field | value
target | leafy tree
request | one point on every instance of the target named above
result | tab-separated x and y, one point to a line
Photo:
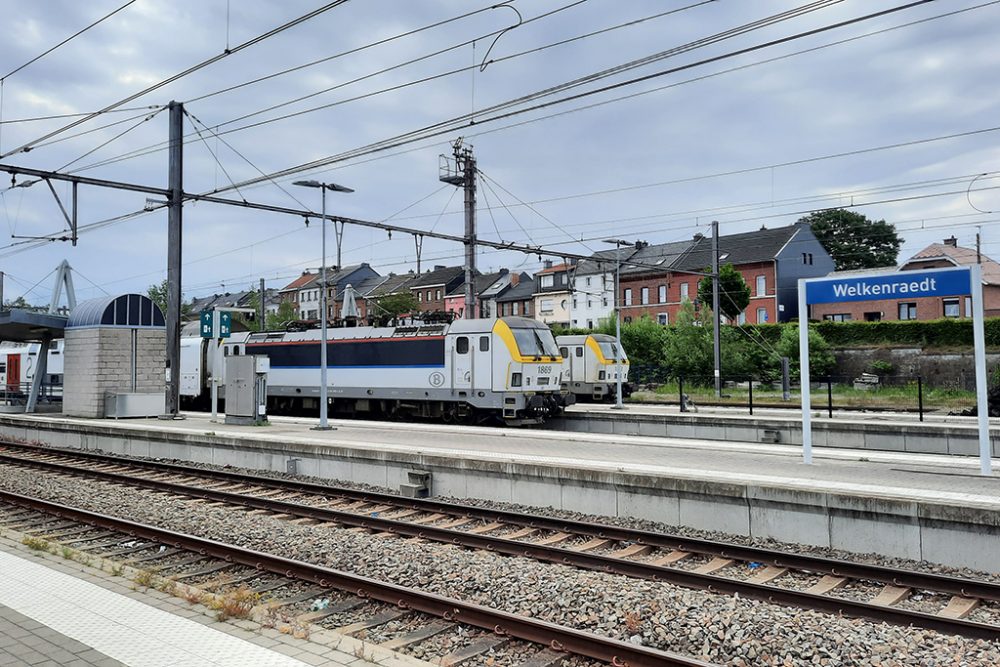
688	351
854	241
390	306
20	303
734	293
644	341
158	294
286	313
821	359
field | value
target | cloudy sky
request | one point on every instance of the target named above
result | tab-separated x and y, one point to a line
864	114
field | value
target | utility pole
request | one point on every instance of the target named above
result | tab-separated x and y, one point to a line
979	254
175	202
464	174
715	308
263	312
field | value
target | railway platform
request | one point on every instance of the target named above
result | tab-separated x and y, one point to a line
871	431
58	613
911	505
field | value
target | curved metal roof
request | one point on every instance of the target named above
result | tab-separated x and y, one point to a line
126	310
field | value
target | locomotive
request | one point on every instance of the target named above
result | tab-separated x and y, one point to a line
506	371
591	365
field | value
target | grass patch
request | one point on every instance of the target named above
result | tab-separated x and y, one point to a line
36	543
236	603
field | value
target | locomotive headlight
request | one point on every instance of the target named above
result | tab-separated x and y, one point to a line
515	379
600	375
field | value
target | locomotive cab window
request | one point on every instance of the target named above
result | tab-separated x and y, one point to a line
564	352
484	343
462	345
579	351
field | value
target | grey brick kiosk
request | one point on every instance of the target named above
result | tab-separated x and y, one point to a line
115	346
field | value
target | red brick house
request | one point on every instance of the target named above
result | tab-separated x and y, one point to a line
947	254
432	287
771	262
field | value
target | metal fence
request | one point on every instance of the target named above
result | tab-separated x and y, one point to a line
17	394
868	392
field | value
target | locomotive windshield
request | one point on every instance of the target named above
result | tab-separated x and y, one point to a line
610	351
535	342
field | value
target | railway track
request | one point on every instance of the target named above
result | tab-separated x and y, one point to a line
968	607
228	568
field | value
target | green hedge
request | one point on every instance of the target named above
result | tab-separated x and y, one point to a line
932	333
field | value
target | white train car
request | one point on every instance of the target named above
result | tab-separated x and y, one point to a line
470	371
18	362
591	364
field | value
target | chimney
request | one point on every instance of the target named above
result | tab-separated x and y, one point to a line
547	264
953	242
438	267
504	272
699	236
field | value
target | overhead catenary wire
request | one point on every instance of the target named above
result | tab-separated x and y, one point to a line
194	68
456	124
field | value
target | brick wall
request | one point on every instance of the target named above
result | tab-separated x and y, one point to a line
928	308
673	283
99	360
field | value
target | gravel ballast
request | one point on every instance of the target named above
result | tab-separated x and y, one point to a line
723	629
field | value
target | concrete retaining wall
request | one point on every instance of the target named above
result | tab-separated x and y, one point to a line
926	438
955	536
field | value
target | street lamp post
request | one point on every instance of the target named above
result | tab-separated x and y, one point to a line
619	357
323	423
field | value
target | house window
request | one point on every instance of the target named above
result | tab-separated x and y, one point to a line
604	301
662	294
590	303
429	293
838	317
761	315
968	306
644	295
420	297
907	311
761	285
662	319
684	291
546	281
575	303
545	306
628	319
590	324
628	296
873	316
587	281
437	295
562	278
741	318
951	308
513	307
807	258
527	309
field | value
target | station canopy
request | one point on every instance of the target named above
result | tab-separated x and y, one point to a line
133	311
27	326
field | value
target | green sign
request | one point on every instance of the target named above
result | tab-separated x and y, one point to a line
216	324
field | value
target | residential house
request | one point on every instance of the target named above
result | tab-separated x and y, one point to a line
290	292
486	287
593	286
947	254
431	287
771	262
649	287
518	299
552	294
310	294
391	284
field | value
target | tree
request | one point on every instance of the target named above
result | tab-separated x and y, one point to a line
391	306
688	350
286	313
821	359
854	241
734	293
158	294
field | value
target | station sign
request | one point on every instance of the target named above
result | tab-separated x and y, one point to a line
216	324
903	284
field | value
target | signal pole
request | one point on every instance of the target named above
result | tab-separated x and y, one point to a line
464	174
175	201
717	352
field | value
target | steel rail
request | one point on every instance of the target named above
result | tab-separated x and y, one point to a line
551	554
502	623
911	579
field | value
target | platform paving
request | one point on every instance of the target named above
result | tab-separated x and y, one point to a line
61	613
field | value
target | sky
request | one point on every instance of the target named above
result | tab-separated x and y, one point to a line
896	116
